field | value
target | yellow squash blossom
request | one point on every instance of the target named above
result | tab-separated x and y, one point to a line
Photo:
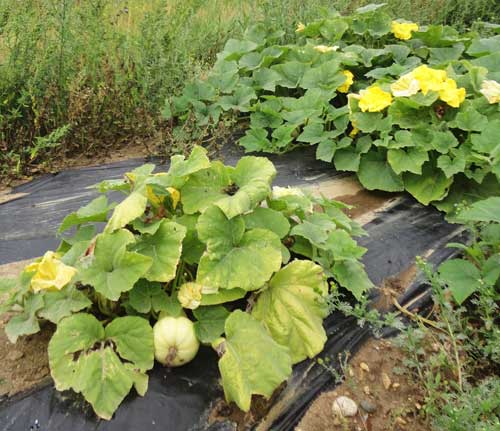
429	79
300	28
491	90
325	48
450	94
190	294
353	132
175	195
405	86
50	273
349	79
374	99
403	30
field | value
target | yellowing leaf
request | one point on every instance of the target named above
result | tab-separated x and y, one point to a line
293	307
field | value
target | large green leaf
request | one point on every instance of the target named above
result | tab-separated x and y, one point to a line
147	296
234	190
487	210
95	211
129	209
192	247
315	228
267	218
25	323
205	187
219	233
210	322
462	277
223	296
407	161
432	185
327	76
252	363
63	303
165	248
293	307
133	338
342	246
376	174
247	265
113	269
82	358
351	275
253	177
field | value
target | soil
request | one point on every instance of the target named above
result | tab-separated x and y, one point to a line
24	364
395	398
132	150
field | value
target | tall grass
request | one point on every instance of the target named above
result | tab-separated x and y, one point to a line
97	72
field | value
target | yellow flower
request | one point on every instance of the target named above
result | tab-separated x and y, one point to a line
190	294
405	86
175	195
325	48
374	99
354	132
349	79
403	30
300	28
429	79
450	94
50	273
491	90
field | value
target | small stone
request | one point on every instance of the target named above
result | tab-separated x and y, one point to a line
366	390
344	406
14	355
351	372
368	406
364	366
401	421
418	406
396	385
386	381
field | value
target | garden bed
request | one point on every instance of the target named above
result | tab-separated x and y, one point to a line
399	230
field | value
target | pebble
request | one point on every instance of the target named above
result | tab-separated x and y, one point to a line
368	406
401	421
386	381
14	355
395	385
366	390
364	366
344	406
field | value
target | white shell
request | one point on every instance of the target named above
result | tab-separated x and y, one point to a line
175	341
344	406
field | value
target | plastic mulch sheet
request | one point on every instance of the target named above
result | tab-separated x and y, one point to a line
183	398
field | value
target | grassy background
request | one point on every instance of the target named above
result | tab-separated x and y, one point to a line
80	76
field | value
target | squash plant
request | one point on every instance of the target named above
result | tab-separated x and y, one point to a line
212	252
405	107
